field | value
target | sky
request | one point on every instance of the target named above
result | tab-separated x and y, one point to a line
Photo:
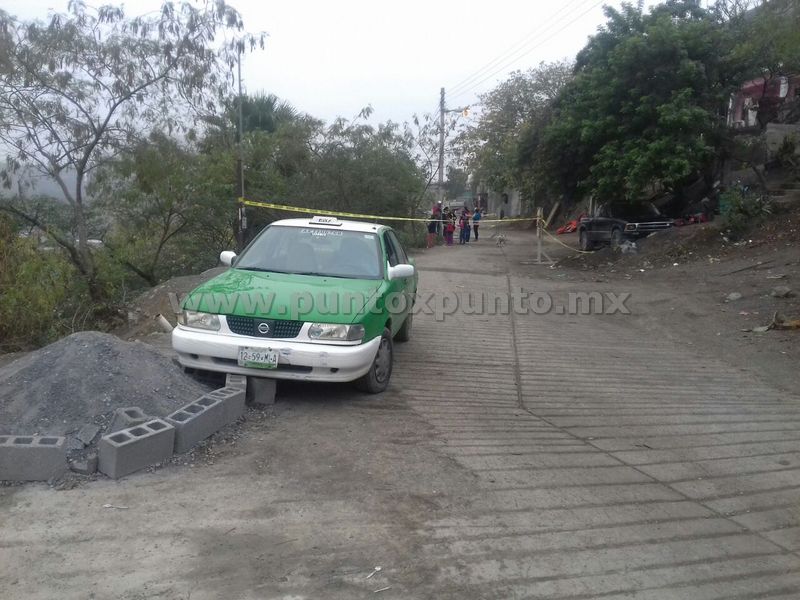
333	58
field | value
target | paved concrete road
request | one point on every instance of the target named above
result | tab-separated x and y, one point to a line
515	456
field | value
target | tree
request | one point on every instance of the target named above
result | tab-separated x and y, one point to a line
159	200
83	88
456	182
360	168
646	108
37	299
491	147
766	44
260	112
265	112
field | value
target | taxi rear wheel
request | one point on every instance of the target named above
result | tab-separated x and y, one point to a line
377	378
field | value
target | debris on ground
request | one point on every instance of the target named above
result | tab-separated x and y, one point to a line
778	322
733	297
781	322
782	291
145	309
570	226
74	386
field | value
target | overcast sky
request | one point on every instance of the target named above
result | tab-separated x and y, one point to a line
331	58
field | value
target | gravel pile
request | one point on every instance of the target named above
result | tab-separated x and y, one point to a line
80	380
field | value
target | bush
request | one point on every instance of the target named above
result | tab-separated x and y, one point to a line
786	154
41	298
412	235
744	210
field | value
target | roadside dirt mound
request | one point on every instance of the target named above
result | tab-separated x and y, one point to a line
144	308
82	378
702	243
663	249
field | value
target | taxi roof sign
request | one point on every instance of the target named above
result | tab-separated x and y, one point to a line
326	221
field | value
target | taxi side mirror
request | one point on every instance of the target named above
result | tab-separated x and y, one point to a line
401	272
227	257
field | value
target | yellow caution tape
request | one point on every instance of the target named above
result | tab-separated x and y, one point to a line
555	239
335	213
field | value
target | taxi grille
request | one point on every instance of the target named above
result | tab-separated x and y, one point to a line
276	328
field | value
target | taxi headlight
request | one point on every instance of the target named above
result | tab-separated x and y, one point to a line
199	320
334	332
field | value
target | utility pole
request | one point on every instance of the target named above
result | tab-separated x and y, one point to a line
440	190
241	217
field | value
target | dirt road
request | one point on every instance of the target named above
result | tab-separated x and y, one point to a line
515	456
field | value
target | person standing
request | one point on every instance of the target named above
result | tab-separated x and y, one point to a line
463	223
476	221
433	227
449	228
437	216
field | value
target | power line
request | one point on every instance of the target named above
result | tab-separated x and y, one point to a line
514	48
539	45
572	19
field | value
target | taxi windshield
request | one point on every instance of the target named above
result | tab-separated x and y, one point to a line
320	251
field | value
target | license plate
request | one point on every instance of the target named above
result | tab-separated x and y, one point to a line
258	358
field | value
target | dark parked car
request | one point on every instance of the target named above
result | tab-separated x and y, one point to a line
614	223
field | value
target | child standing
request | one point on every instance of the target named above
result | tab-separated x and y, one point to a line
449	228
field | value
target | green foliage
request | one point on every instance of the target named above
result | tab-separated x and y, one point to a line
348	166
456	182
169	207
40	296
743	210
85	86
411	235
508	113
765	42
642	111
786	154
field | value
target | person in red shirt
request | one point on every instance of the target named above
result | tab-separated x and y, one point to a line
449	228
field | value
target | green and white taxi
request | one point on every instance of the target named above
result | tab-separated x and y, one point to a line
316	299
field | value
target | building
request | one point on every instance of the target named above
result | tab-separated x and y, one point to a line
761	101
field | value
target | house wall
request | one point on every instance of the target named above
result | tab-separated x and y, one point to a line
512	208
743	108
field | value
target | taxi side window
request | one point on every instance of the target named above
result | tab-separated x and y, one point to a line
398	248
391	251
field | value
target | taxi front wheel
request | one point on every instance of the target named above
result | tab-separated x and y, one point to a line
377	378
404	333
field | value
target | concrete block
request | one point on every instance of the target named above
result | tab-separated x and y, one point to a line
86	466
127	417
237	381
31	458
233	398
261	390
205	416
135	448
87	433
196	421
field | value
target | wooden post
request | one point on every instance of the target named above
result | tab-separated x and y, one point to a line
539	234
541	257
